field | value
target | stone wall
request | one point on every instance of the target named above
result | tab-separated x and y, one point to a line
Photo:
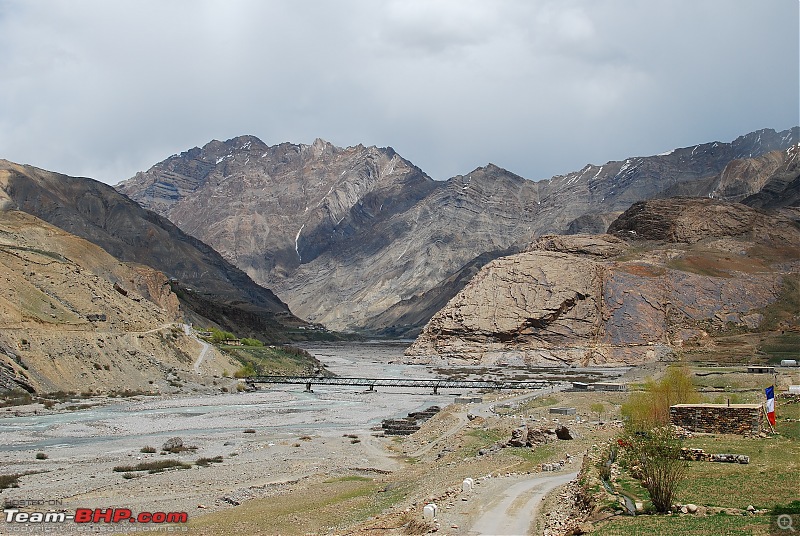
718	418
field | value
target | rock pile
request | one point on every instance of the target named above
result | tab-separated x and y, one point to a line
699	455
410	424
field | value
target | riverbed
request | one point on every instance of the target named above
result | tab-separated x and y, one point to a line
268	440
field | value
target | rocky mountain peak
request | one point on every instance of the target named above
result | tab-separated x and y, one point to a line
344	234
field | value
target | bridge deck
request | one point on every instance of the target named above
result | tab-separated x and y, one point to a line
431	383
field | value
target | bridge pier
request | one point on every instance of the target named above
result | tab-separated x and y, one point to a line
372	387
308	388
436	389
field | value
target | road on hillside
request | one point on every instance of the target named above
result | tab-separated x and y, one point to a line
187	329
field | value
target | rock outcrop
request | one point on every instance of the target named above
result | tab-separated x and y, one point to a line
594	300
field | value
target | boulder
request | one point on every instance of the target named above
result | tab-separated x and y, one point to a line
518	438
174	443
562	432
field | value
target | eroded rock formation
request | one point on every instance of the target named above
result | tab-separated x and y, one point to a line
593	300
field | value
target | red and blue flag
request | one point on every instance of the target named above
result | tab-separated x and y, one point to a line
771	404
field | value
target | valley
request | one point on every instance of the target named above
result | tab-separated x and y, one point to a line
126	341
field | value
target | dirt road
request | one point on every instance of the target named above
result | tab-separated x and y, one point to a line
510	505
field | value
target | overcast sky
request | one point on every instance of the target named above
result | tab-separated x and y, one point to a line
106	88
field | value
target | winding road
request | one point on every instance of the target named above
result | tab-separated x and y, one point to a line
190	333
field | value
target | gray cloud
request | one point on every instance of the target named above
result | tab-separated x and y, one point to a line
105	89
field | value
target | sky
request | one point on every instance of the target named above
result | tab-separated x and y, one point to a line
106	88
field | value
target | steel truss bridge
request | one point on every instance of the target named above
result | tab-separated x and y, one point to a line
372	383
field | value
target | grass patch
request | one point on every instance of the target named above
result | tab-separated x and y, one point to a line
148	450
478	439
328	508
685	525
349	478
152	467
274	360
764	482
698	264
780	346
532	458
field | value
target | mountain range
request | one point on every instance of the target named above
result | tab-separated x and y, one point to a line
486	266
360	239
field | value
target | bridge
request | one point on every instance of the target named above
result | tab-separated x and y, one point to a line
372	383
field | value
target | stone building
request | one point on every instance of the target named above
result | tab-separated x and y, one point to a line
718	418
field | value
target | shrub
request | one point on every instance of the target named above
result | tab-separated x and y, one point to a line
148	450
206	461
152	467
246	370
41	456
9	481
655	456
252	342
650	408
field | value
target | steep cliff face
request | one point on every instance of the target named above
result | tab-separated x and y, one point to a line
351	237
686	266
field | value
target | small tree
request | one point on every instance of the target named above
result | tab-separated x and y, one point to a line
650	408
598	408
655	456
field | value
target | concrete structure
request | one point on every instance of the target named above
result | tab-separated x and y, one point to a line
794	389
429	511
760	369
718	418
468	400
563	411
788	362
581	386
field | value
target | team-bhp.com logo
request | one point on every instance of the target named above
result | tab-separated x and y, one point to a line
94	515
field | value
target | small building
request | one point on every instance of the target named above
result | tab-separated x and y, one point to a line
580	386
562	411
794	389
760	369
718	418
232	342
606	386
788	362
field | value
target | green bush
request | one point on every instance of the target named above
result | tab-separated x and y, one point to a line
252	342
650	408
